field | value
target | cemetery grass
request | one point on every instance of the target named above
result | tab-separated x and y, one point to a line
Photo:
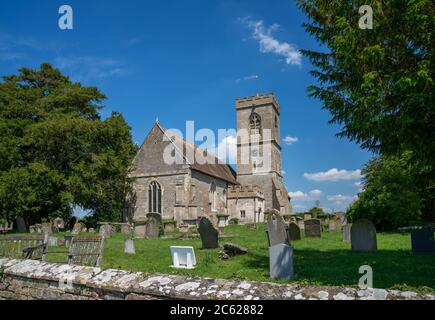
317	261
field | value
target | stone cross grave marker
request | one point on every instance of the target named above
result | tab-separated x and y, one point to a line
294	232
153	226
422	241
313	229
281	262
276	230
209	234
363	236
346	232
183	257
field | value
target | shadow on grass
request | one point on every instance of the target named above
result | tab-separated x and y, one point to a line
391	268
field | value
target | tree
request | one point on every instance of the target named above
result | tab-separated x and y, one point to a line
55	150
316	212
378	84
390	198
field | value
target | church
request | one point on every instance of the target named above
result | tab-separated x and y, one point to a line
188	189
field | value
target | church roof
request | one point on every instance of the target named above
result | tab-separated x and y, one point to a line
200	160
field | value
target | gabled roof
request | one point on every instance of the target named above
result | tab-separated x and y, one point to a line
200	160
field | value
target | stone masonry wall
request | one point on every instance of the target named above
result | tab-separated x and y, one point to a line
29	280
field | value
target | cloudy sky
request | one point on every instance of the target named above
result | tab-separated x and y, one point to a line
189	60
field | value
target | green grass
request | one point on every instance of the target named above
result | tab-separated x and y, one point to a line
324	261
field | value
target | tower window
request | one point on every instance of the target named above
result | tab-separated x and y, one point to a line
255	124
276	122
154	197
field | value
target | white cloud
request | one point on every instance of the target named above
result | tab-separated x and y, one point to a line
85	68
341	198
315	194
283	172
300	207
302	196
289	140
247	78
358	184
268	44
298	195
334	175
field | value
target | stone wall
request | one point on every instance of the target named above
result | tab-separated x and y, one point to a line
29	279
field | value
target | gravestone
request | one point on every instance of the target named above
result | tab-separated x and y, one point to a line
294	232
77	228
46	228
301	224
276	230
363	236
208	233
334	224
153	225
281	262
106	231
91	230
32	229
183	257
422	240
21	225
129	246
139	227
68	240
346	232
125	228
307	216
59	224
52	241
313	229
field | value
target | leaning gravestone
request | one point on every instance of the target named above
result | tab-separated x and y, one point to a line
313	229
294	232
209	234
346	232
153	226
129	246
363	236
281	262
276	230
423	241
77	228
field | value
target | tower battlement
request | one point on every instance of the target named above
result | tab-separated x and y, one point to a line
258	100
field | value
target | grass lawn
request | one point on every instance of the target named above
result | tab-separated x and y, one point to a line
324	261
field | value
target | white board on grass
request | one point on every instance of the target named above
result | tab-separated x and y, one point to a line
183	257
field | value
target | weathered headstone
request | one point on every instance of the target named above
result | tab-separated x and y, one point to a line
59	224
46	228
208	233
313	228
294	232
38	228
363	236
423	241
129	246
77	227
281	262
334	224
125	228
276	230
153	225
21	225
183	257
346	232
139	227
53	241
106	231
307	216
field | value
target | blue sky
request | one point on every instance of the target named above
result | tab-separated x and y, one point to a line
189	60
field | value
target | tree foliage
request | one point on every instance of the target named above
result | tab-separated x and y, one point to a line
391	198
378	83
55	150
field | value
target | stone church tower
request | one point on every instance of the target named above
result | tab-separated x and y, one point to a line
259	160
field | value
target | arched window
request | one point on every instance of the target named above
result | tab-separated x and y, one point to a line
213	196
154	197
255	124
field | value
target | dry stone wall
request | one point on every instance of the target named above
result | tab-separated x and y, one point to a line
29	279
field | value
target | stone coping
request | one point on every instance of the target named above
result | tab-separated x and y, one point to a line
160	286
